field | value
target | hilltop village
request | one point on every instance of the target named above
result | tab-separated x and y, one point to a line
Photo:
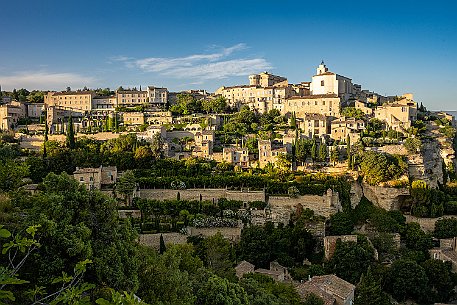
319	192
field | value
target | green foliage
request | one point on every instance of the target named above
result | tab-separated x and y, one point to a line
341	223
441	280
407	279
446	228
352	112
216	105
369	291
11	174
79	225
263	290
351	259
219	291
415	238
70	140
379	167
186	104
412	145
288	245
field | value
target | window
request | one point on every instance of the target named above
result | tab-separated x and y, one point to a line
322	83
81	179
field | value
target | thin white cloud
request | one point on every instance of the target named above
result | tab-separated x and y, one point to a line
200	67
43	80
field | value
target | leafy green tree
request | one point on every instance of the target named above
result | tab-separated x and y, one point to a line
380	167
352	112
369	291
126	184
407	279
351	259
412	145
78	225
416	239
335	154
219	291
441	280
219	255
341	224
11	174
446	228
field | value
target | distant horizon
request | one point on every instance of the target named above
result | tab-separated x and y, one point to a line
391	48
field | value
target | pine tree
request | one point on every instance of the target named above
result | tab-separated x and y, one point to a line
70	134
162	247
369	291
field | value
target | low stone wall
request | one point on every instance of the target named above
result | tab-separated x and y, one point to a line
427	224
153	240
129	213
203	194
387	198
232	234
325	205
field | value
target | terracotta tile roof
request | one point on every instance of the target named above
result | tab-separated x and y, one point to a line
304	289
333	285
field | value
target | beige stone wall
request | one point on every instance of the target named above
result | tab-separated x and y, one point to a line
325	205
387	198
326	105
153	240
427	224
232	234
206	194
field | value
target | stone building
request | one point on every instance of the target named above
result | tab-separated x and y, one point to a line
325	104
332	289
364	108
343	127
10	114
398	115
133	118
76	101
96	178
326	82
276	272
157	97
131	98
330	243
268	153
104	103
264	93
447	252
236	156
314	124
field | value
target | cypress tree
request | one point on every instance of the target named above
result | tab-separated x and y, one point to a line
46	130
70	134
348	151
162	247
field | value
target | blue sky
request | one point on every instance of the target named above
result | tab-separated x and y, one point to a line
391	47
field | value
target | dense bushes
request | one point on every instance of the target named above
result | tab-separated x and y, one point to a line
379	167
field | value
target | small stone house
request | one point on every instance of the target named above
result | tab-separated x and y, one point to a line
332	289
96	178
276	272
447	251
